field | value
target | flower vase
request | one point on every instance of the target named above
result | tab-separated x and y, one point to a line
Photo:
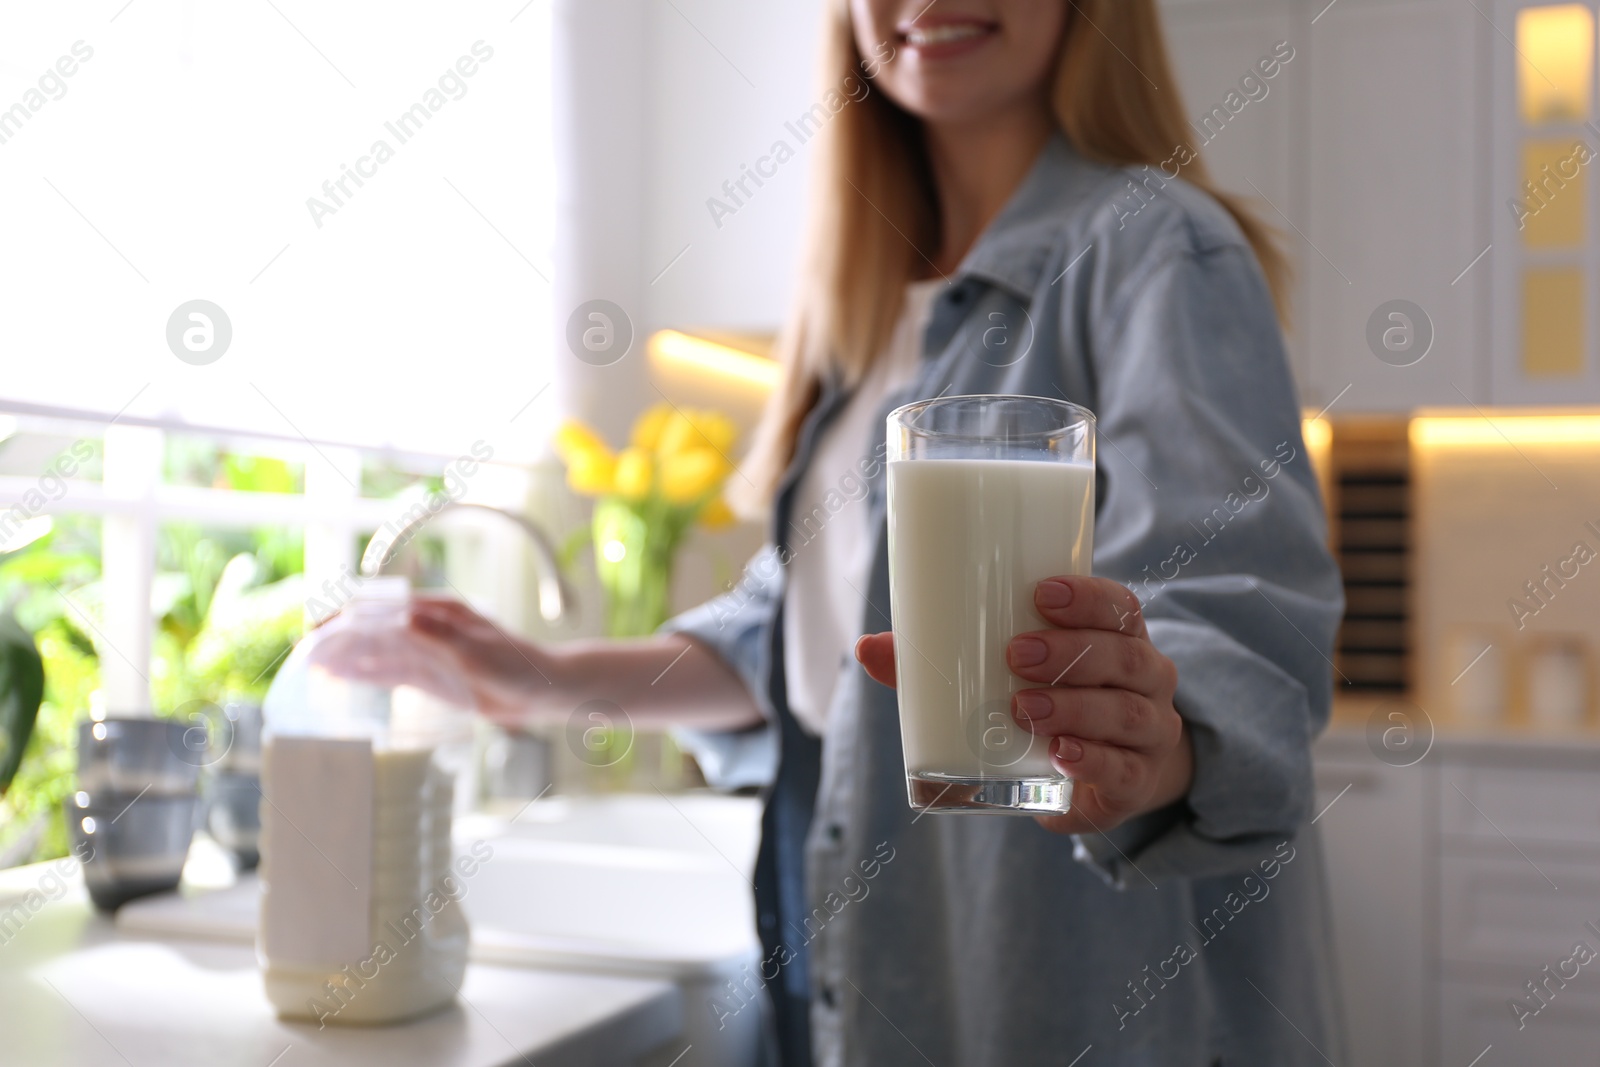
635	567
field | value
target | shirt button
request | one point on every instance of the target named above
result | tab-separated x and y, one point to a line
827	995
835	833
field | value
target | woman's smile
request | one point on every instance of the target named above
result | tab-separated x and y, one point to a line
945	37
963	61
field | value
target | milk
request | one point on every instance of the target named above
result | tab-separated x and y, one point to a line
395	941
968	541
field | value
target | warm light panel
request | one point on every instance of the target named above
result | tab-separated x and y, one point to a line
1555	63
1491	430
709	357
1318	433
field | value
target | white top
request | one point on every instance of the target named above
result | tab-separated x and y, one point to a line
77	993
828	534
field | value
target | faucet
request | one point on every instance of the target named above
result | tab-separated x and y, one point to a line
556	598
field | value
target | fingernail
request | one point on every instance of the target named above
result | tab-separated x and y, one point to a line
1032	706
1069	750
1054	594
1028	652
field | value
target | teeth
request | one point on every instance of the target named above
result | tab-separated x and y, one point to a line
917	37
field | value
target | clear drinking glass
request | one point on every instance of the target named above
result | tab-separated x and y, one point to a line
988	495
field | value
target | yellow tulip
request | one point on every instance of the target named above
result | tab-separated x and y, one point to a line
632	479
718	431
717	514
677	434
688	429
574	439
591	473
690	475
647	428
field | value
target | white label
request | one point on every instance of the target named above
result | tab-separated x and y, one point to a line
316	852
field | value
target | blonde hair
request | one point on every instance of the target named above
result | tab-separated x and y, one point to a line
874	216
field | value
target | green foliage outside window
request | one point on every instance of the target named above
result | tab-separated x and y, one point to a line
228	606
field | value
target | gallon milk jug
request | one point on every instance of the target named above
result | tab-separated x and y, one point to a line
367	751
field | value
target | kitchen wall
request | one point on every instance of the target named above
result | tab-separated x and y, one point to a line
658	105
709	117
1489	516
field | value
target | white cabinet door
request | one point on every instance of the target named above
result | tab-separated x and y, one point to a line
1395	211
1544	799
1378	845
1477	1027
1512	912
1215	45
1545	341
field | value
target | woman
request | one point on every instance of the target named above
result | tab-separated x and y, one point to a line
1016	209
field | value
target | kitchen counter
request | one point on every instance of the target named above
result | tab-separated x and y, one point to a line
1359	723
74	991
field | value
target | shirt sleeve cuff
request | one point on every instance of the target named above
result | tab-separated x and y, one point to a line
734	627
1161	845
1251	724
748	758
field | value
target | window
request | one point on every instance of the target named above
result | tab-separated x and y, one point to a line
158	570
364	192
274	267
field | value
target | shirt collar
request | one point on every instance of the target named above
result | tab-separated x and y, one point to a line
1016	247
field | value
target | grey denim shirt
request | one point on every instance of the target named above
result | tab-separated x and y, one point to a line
1188	936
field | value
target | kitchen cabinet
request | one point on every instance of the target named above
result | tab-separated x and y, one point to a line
1455	882
1368	159
1473	1016
1519	877
1375	837
1541	114
1395	209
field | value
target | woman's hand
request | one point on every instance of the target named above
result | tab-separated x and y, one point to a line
1104	698
509	675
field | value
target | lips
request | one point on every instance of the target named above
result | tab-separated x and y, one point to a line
935	38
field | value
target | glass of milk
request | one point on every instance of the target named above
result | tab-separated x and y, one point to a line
366	757
987	496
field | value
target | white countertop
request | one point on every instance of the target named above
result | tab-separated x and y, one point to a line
74	992
1353	730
